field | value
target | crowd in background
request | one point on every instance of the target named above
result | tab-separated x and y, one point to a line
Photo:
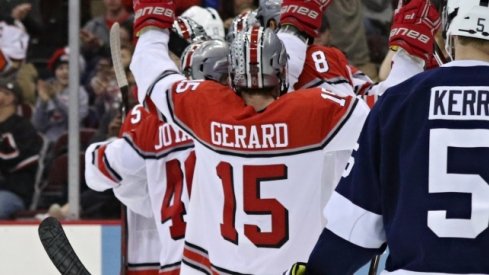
38	85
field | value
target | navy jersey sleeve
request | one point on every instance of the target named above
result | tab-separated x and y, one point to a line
354	211
335	255
354	231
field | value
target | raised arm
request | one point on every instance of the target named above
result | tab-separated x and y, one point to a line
151	58
299	25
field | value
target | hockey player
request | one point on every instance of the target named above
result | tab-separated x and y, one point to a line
157	154
143	245
143	241
260	178
418	182
329	68
19	152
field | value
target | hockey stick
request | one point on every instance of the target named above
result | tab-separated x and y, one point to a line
59	249
374	265
120	74
438	52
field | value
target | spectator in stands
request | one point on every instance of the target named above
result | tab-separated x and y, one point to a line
95	34
377	21
324	33
51	110
13	45
103	87
348	34
110	123
13	48
19	148
235	8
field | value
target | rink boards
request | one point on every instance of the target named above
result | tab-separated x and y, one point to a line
96	243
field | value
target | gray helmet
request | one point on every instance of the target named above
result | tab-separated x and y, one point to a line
268	10
241	23
206	60
189	30
258	60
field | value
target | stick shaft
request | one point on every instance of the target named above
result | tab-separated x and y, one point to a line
120	73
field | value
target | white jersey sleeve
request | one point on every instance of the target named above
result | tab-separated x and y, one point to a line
150	60
404	66
296	60
105	168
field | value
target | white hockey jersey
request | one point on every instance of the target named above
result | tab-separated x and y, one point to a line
261	178
143	243
155	160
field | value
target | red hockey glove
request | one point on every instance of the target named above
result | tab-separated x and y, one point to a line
153	13
414	27
305	15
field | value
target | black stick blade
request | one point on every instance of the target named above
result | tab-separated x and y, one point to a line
59	249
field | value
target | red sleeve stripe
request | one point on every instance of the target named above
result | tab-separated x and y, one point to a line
198	258
363	89
103	165
170	269
143	269
370	100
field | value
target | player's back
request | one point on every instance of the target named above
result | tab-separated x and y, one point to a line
434	142
169	163
261	178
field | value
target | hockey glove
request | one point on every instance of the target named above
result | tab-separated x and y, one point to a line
298	268
414	27
305	15
153	13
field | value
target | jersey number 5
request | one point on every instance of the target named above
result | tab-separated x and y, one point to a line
457	164
253	204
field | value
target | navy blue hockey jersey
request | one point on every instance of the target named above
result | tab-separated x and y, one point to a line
419	180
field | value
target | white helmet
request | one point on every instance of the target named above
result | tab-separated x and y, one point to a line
189	30
206	60
209	19
258	60
469	18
